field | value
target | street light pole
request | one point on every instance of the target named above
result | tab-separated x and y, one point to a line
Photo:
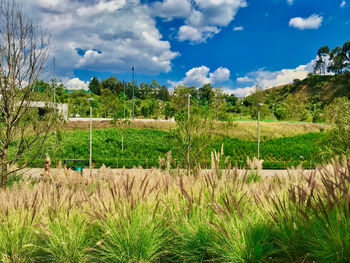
124	98
90	160
188	132
133	92
54	90
259	104
188	105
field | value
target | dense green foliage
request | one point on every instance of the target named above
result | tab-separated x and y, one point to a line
145	146
302	100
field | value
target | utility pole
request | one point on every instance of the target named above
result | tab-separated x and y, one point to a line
124	98
54	90
259	104
188	105
188	132
90	160
133	92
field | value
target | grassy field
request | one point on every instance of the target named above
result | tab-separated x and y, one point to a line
143	147
244	130
154	216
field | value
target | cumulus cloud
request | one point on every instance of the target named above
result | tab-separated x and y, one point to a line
200	76
77	84
343	3
194	34
290	2
238	28
312	22
220	75
244	79
243	92
124	31
202	19
170	9
268	79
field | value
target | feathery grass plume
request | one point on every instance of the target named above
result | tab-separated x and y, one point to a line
168	162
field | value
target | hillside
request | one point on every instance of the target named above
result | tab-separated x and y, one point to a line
317	89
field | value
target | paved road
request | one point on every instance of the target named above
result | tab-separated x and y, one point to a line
36	172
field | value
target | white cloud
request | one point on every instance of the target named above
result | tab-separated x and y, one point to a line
200	76
238	28
243	92
123	31
170	9
202	18
244	79
77	84
269	79
196	35
343	3
220	75
312	22
290	2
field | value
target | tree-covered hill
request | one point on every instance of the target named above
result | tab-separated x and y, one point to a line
317	89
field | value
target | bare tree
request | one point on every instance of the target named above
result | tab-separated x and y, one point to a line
24	50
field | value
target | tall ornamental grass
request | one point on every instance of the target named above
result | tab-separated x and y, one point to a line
164	216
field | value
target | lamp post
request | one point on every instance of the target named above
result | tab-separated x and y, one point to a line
188	131
259	105
188	105
54	90
124	98
90	160
133	92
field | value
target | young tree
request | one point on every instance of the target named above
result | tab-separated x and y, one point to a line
218	103
192	136
23	53
121	123
337	141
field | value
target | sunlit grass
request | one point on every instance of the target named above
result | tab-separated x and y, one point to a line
154	216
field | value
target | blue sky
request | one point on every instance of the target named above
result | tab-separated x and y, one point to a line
234	44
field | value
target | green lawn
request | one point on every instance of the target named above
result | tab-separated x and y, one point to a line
144	146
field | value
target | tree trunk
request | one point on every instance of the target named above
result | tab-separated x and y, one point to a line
122	141
188	151
3	169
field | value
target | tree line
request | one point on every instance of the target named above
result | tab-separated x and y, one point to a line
335	61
